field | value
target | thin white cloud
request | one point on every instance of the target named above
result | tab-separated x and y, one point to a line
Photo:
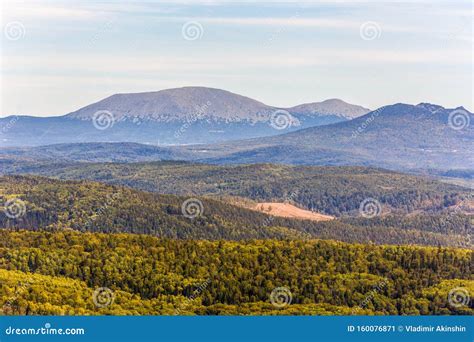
294	20
39	10
222	61
299	21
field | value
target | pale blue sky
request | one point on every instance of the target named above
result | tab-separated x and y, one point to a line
71	53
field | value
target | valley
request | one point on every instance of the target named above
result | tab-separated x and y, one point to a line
52	205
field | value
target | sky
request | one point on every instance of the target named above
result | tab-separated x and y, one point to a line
58	56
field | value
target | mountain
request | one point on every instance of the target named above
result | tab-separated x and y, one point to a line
212	105
173	116
400	136
423	138
330	107
178	105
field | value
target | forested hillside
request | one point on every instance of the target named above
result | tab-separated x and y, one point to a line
56	273
52	205
331	190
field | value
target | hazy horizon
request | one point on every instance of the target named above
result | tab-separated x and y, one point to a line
282	107
59	56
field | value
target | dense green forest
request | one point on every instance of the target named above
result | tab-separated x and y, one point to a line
68	241
57	273
331	190
95	207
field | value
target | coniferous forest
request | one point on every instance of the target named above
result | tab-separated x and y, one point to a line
82	247
56	273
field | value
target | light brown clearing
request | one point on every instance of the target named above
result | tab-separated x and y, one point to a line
290	211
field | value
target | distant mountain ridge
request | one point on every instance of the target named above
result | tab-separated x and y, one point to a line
188	115
399	136
425	138
209	103
180	104
330	107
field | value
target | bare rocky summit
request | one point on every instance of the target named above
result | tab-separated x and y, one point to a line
201	103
